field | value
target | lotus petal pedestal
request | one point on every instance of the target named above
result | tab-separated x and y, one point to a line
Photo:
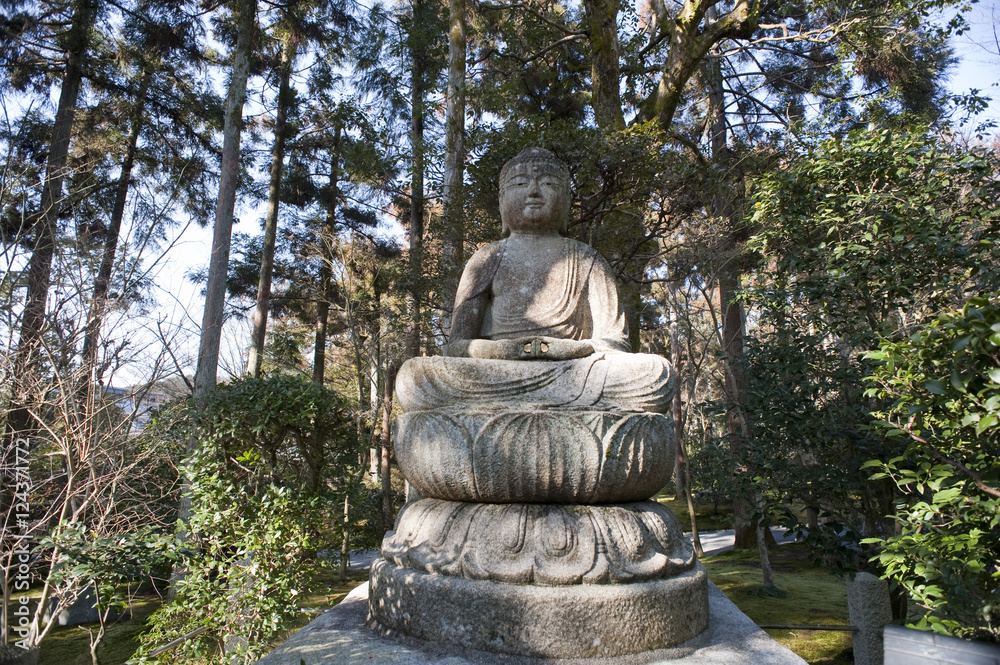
534	536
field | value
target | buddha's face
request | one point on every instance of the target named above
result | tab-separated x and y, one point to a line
534	199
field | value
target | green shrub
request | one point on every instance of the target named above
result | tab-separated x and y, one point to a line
273	461
942	385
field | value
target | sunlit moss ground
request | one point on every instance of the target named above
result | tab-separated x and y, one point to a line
328	592
70	645
810	595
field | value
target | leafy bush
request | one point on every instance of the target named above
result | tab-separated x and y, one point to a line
712	471
942	385
860	238
273	461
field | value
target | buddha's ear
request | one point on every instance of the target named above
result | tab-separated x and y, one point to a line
504	229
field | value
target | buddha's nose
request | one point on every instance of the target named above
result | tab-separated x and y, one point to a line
533	189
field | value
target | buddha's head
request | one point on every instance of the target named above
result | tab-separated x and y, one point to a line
534	193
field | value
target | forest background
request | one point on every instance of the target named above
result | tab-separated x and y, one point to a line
801	215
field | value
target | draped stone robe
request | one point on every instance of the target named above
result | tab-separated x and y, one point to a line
539	287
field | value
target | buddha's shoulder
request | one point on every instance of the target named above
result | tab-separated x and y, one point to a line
487	254
484	261
582	248
494	251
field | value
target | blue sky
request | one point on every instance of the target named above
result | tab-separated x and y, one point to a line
979	50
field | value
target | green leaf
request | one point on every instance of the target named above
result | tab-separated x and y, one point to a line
994	375
936	387
958	382
948	495
961	342
986	423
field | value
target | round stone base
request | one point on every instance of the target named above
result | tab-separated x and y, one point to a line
583	621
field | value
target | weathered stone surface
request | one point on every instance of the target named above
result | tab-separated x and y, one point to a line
530	438
538	543
82	610
14	655
535	455
537	319
566	622
908	646
342	635
604	380
869	608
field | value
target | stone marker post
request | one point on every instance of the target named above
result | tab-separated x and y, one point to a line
870	610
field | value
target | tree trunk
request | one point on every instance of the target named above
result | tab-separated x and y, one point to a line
690	42
364	396
95	640
682	469
680	455
23	373
375	378
413	299
736	392
453	237
677	407
602	20
215	290
4	600
273	202
692	514
387	508
102	282
326	267
765	560
345	543
731	309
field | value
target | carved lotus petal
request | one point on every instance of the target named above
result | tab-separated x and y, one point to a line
434	451
545	544
638	457
521	456
431	537
541	456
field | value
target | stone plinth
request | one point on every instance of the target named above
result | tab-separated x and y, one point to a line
346	635
579	621
533	537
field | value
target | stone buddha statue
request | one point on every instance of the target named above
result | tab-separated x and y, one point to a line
536	317
534	444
